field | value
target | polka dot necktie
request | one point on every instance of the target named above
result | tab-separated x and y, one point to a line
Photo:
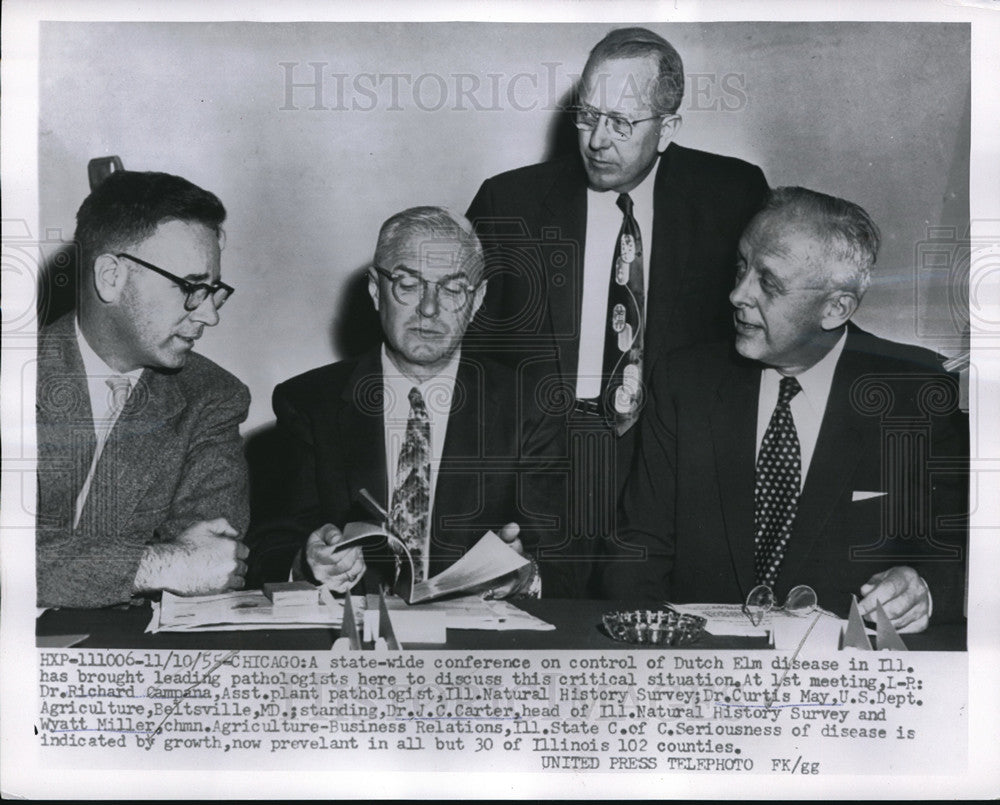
622	396
412	490
776	491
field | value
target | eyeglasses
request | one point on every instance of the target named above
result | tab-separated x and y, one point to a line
196	292
586	118
408	288
800	601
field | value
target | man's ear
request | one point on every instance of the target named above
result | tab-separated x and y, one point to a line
110	276
838	309
669	127
373	289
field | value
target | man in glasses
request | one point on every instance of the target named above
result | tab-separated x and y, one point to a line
815	454
610	257
442	443
142	484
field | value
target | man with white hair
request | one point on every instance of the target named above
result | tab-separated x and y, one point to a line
814	454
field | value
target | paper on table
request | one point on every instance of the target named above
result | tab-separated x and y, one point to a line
725	619
472	612
821	631
786	630
240	611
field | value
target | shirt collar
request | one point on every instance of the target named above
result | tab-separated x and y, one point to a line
442	382
818	378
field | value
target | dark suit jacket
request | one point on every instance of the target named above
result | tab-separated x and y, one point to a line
892	425
173	458
495	467
533	225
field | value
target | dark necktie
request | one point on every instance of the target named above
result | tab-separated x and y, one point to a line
412	488
622	396
776	492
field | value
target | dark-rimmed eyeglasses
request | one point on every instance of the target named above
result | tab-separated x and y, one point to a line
586	118
408	288
800	601
195	292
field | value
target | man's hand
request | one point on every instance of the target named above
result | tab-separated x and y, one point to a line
904	598
510	534
519	581
206	558
339	570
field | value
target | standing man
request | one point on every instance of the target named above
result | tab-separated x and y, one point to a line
606	260
142	484
442	443
817	454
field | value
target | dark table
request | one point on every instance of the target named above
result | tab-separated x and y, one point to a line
577	625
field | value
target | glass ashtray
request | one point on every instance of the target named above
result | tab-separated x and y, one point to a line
647	627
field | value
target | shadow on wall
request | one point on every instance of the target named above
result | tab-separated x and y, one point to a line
561	139
58	283
355	328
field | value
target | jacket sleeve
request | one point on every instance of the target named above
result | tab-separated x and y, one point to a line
95	564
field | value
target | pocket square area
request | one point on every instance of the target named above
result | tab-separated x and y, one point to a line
859	495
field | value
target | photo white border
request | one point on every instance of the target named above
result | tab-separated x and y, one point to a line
20	774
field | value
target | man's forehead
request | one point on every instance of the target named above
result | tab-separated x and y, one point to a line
792	243
184	248
427	255
620	84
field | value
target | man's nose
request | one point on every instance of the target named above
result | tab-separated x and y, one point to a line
206	313
429	300
741	295
599	137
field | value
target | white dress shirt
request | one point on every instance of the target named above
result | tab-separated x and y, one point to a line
604	220
102	407
808	406
437	393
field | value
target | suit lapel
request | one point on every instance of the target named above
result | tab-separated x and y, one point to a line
672	223
838	450
734	433
458	488
566	207
362	431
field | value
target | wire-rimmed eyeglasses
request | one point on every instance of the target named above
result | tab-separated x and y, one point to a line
586	118
800	601
195	292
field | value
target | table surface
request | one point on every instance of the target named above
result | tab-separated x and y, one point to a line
577	622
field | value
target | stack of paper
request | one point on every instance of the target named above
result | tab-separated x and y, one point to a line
241	611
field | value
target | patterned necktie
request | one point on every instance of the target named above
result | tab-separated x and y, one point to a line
412	491
622	395
776	492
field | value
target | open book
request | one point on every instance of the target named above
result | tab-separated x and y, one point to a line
487	560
